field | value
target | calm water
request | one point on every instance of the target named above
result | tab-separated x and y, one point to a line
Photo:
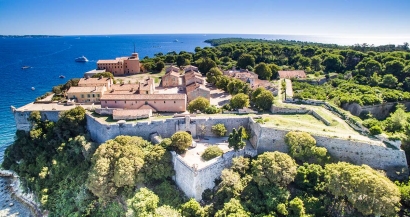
51	57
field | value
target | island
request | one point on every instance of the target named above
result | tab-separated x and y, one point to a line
243	128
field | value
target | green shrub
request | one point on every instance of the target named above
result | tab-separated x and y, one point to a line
375	130
212	110
219	130
211	153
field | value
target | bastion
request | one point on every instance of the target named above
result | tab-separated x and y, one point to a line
193	178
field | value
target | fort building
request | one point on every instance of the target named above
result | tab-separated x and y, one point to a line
121	65
86	94
156	102
95	82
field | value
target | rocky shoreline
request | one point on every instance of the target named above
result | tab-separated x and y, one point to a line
10	184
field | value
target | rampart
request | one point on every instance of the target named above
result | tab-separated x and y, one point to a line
193	180
379	111
393	161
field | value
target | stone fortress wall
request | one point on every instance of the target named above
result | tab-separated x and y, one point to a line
194	181
379	111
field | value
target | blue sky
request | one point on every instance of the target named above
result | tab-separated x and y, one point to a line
367	18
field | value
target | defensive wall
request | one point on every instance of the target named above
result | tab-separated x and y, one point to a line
391	160
193	181
379	111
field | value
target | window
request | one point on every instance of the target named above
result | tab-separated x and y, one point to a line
146	92
98	95
174	102
115	101
82	95
164	101
125	102
88	95
93	95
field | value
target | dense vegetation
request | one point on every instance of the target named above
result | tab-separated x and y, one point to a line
130	176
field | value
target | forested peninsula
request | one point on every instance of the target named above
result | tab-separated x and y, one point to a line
129	176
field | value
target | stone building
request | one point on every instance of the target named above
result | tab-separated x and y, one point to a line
95	82
86	94
191	77
155	102
195	90
121	65
171	79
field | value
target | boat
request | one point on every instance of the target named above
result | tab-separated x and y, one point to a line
32	88
25	67
176	40
81	59
61	76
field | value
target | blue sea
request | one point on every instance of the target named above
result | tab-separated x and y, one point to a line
49	58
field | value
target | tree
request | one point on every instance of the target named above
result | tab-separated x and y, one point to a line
316	62
304	62
245	60
71	123
262	98
206	64
240	100
240	165
192	209
369	191
302	147
396	122
389	81
274	168
395	67
159	66
264	72
235	139
332	63
219	130
232	208
104	75
157	164
296	208
143	203
200	103
274	68
166	211
181	141
311	177
211	153
116	164
213	75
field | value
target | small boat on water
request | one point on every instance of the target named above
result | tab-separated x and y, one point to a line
61	76
81	59
25	67
176	40
32	88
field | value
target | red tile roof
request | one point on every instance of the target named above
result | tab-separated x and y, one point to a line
292	74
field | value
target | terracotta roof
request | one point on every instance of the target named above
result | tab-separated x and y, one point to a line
124	88
111	97
108	61
85	90
191	75
172	73
292	74
190	68
195	86
172	68
91	81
